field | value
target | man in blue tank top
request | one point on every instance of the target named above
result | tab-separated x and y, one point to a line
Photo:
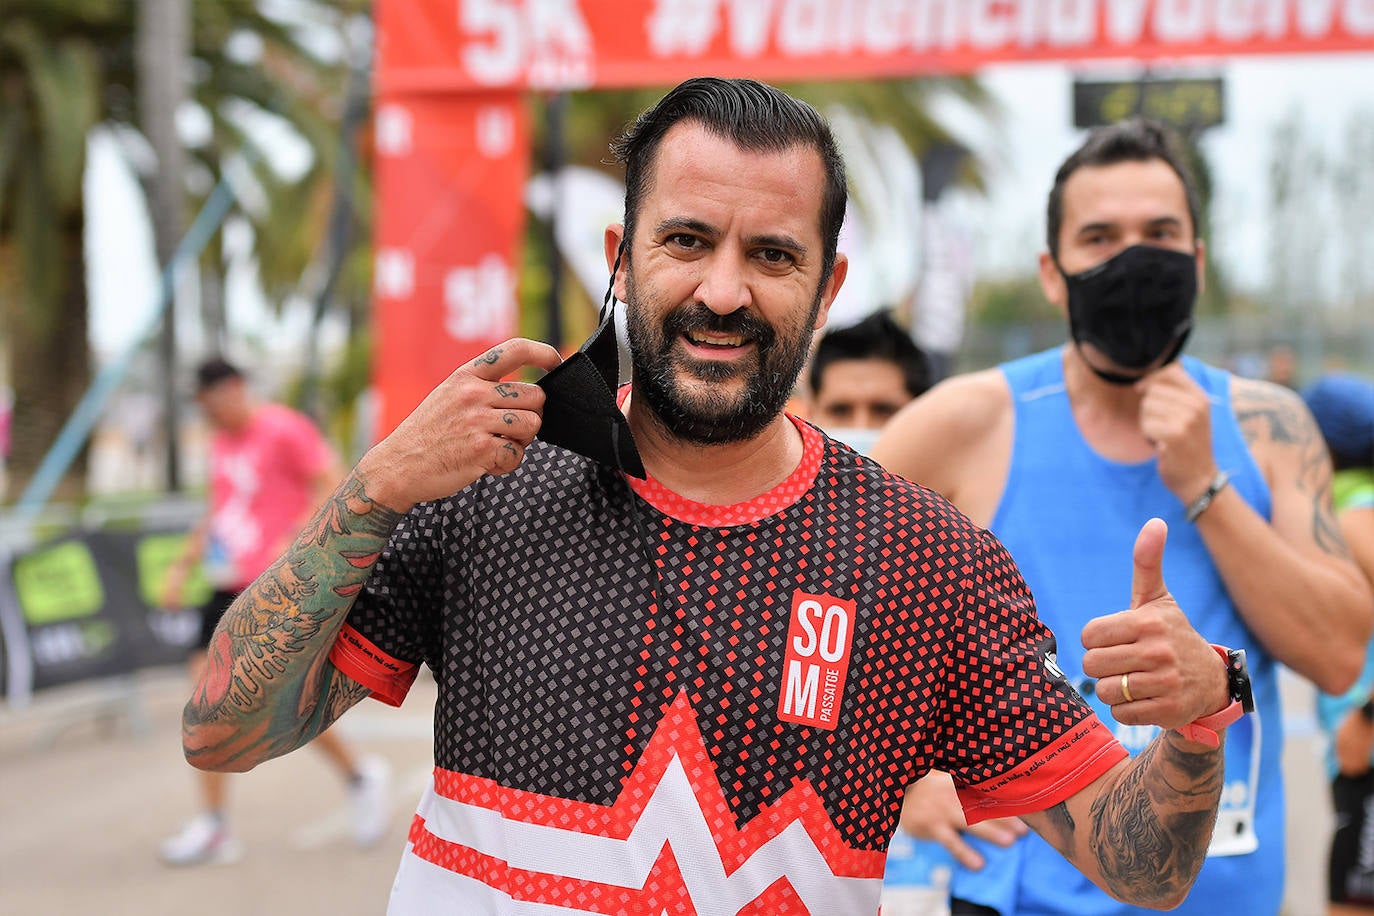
1065	453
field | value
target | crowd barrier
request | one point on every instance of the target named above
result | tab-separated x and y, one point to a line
86	606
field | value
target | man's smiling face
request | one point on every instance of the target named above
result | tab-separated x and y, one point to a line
723	282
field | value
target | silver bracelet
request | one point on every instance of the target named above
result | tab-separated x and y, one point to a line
1200	504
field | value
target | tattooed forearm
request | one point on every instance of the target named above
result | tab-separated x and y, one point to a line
1060	828
267	685
1150	831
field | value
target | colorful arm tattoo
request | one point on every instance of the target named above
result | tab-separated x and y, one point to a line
268	686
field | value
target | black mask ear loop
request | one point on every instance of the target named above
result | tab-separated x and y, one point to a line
646	548
608	309
608	301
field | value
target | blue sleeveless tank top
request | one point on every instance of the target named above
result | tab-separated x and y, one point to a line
1070	518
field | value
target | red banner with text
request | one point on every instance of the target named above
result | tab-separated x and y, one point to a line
461	45
451	173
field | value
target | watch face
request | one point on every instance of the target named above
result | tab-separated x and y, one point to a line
1238	679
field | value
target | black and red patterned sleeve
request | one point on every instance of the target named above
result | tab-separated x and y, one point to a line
1018	737
393	626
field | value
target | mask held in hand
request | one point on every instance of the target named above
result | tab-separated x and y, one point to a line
580	411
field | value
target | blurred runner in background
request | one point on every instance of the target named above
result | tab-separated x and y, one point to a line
269	469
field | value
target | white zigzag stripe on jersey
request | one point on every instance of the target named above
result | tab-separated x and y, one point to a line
672	811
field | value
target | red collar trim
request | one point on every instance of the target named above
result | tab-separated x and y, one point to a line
765	504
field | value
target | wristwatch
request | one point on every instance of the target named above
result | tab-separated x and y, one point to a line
1204	730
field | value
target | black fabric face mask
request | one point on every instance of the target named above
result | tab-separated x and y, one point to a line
580	411
1135	307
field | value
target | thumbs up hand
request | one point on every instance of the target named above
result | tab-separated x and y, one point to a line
1151	666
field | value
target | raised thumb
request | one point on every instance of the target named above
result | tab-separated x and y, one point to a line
1147	576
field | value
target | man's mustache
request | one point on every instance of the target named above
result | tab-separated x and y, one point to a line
741	323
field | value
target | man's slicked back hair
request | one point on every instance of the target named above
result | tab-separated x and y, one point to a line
752	115
1132	140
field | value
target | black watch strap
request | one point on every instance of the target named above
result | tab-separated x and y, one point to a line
1238	679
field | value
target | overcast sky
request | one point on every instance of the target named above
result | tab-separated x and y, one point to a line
1036	135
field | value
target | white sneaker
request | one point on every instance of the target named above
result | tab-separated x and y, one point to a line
205	840
370	803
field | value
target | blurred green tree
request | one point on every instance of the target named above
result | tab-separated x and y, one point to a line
68	65
53	61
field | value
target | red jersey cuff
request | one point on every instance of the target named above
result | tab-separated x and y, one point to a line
1079	756
388	678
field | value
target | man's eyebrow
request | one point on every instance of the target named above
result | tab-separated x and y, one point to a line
1108	226
687	224
766	240
1095	227
785	242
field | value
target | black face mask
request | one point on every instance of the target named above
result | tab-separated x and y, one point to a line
1135	307
580	411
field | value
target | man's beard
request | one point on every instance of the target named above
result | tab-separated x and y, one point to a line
714	417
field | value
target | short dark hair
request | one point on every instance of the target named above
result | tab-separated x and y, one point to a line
213	371
756	117
878	336
1132	140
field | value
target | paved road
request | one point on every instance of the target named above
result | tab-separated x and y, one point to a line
85	801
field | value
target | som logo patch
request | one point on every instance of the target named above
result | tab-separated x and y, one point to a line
816	663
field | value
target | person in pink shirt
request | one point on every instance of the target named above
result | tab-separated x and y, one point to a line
269	469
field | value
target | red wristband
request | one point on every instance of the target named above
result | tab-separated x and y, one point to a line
1204	730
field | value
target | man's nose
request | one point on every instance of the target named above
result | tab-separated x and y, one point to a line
724	286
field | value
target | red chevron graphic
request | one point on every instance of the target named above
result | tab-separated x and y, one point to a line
779	898
664	890
677	736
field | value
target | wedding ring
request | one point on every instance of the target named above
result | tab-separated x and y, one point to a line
1126	688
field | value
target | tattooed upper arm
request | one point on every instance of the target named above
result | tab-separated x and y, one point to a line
341	694
1056	826
1289	448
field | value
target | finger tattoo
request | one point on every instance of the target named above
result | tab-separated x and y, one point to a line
488	358
507	390
508	418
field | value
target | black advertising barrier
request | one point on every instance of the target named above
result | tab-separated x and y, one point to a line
87	606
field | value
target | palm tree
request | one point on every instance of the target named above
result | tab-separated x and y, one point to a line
68	65
302	218
53	57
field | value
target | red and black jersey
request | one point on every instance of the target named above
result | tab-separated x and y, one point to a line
648	704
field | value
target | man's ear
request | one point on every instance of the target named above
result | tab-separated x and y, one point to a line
832	287
1052	283
614	239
